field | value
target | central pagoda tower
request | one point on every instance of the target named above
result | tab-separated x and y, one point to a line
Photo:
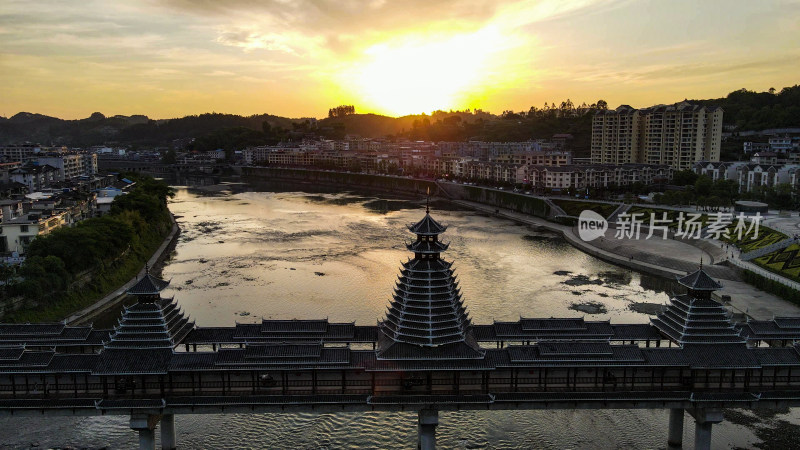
426	317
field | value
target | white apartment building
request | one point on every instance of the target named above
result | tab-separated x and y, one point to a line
20	152
68	165
596	175
719	170
674	135
615	136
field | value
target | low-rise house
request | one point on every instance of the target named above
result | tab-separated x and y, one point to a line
17	233
104	199
35	177
719	170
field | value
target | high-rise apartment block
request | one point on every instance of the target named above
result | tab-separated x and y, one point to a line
675	135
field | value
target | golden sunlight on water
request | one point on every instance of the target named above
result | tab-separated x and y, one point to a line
288	255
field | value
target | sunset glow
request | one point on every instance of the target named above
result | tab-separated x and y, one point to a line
425	73
297	58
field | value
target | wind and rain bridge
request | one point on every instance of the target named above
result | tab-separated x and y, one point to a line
425	356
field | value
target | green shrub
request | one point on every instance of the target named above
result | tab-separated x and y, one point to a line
773	287
112	249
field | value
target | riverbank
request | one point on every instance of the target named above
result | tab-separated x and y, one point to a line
155	263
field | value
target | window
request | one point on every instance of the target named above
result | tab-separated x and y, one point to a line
23	228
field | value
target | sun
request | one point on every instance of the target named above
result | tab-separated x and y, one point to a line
424	73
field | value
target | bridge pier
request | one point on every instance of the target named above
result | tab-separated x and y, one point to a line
675	434
145	424
426	429
168	432
704	419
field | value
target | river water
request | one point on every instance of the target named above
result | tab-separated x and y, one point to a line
247	252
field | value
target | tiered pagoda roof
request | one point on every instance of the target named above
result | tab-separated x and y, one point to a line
153	322
426	318
427	226
148	285
695	318
699	281
160	324
146	334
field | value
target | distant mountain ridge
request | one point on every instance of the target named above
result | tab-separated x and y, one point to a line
98	129
747	110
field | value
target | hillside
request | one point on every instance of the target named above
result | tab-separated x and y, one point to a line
128	130
748	110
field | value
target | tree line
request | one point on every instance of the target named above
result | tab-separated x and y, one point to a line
341	111
128	234
751	110
702	191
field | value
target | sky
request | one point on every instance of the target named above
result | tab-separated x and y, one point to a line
298	58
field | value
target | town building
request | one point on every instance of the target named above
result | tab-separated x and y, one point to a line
20	152
34	176
675	135
615	136
17	233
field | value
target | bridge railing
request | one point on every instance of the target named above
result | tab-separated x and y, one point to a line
410	386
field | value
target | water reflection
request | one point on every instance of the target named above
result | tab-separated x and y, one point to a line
247	253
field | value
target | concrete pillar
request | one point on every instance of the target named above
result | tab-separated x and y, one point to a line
426	429
145	424
704	419
675	434
702	435
147	439
168	432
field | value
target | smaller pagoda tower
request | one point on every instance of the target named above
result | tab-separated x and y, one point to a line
153	321
696	318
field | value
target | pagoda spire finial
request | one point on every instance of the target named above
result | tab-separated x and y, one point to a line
428	202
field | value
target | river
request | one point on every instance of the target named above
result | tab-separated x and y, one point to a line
247	252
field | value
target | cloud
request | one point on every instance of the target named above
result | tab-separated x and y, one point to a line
250	40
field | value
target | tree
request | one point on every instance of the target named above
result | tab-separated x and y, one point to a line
684	178
703	185
341	111
602	104
169	157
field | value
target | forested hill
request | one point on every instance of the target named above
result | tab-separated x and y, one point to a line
125	130
748	110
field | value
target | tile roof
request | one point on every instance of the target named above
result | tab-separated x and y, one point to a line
427	226
699	281
148	285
